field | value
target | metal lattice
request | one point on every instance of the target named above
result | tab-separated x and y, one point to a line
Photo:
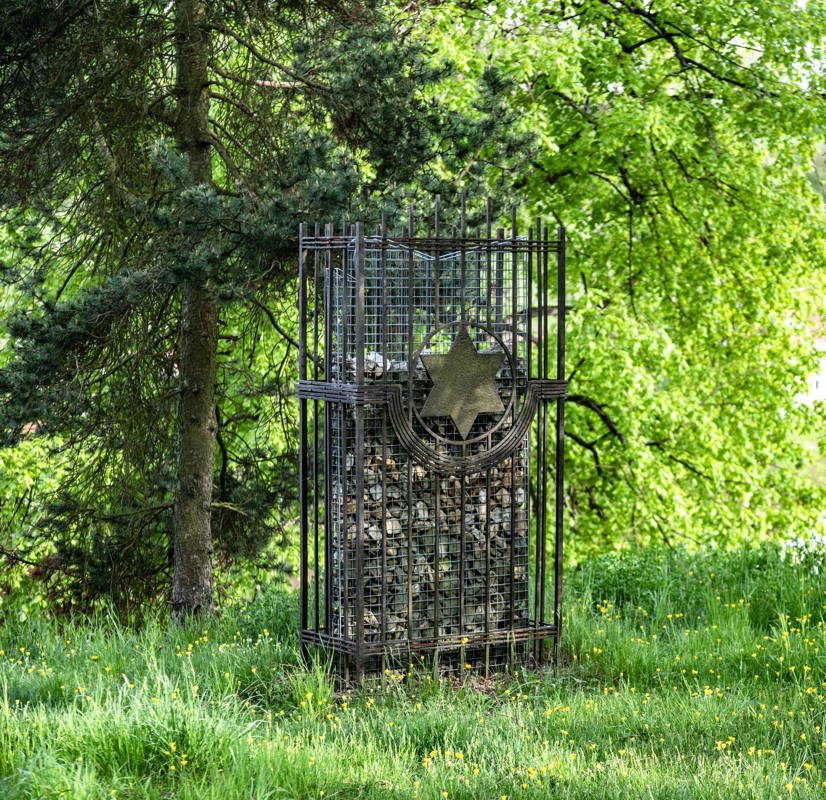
429	471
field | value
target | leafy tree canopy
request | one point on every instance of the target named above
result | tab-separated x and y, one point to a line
674	140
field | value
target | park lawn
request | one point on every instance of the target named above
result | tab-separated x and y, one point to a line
685	676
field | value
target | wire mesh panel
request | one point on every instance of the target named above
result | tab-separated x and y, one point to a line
429	469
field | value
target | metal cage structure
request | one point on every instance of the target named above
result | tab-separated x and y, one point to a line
431	436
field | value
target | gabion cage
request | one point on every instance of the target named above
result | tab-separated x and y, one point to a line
431	444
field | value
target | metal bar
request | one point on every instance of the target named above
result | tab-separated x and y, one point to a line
444	243
436	478
488	236
514	279
446	640
488	493
487	568
358	448
410	372
360	292
385	434
437	278
316	305
530	454
328	459
302	430
345	318
539	274
462	261
462	541
543	409
500	279
488	319
542	468
477	264
515	356
436	560
560	440
376	393
545	316
316	442
529	311
463	314
532	450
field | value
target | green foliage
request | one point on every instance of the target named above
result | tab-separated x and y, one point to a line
675	143
315	111
21	478
675	687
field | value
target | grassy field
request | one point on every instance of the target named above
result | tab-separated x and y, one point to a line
685	677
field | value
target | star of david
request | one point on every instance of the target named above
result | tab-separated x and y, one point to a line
463	383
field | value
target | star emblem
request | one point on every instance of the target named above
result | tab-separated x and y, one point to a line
463	383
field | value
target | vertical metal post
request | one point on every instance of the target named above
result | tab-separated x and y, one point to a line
500	321
462	545
463	314
358	448
385	435
437	479
462	260
500	280
316	440
489	274
344	316
302	430
328	449
410	372
515	356
437	278
542	425
487	570
488	319
529	306
531	455
560	437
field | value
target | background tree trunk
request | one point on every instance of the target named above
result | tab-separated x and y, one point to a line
196	426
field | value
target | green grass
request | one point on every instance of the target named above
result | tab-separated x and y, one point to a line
685	677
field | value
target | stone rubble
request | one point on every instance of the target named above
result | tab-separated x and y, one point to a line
410	590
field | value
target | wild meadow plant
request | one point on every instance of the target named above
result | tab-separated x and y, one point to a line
683	676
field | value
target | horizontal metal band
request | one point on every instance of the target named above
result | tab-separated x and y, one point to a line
529	632
380	393
420	451
336	392
426	246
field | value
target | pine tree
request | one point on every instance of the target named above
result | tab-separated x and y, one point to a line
156	159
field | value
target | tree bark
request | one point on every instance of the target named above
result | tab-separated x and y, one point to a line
197	351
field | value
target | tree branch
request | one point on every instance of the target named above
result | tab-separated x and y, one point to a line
590	446
630	48
599	410
688	465
261	57
274	322
231	166
111	165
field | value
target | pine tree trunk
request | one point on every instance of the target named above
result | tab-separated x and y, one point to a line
197	352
